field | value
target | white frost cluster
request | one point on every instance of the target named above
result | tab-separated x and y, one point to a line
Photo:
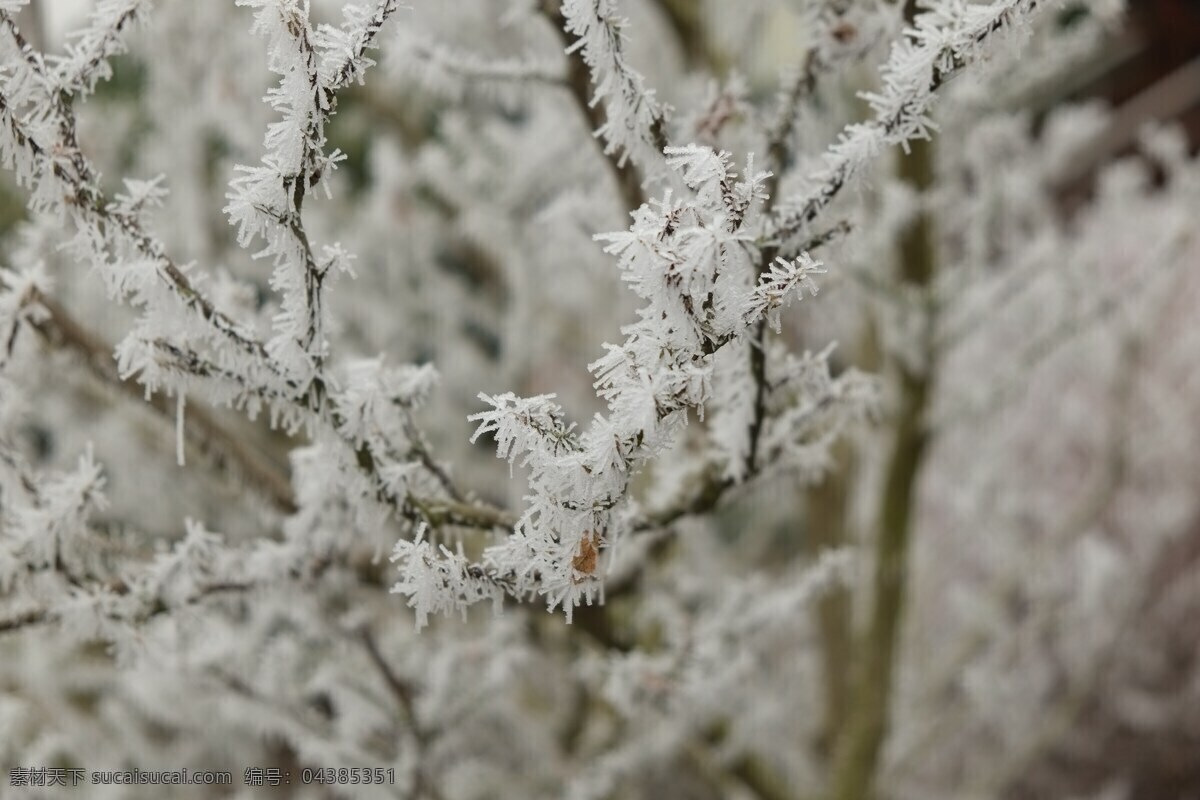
265	201
948	36
634	118
440	581
690	262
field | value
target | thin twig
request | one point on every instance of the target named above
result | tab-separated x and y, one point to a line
405	695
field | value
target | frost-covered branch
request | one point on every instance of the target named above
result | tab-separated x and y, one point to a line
835	40
41	150
690	262
634	119
266	201
86	61
37	142
406	696
45	518
611	94
941	42
60	329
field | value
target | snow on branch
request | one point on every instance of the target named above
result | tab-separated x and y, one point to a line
113	604
716	648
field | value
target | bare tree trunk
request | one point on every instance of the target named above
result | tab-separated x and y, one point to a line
857	759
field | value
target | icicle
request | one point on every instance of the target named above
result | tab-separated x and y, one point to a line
179	404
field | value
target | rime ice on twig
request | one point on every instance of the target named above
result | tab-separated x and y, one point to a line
692	265
266	201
